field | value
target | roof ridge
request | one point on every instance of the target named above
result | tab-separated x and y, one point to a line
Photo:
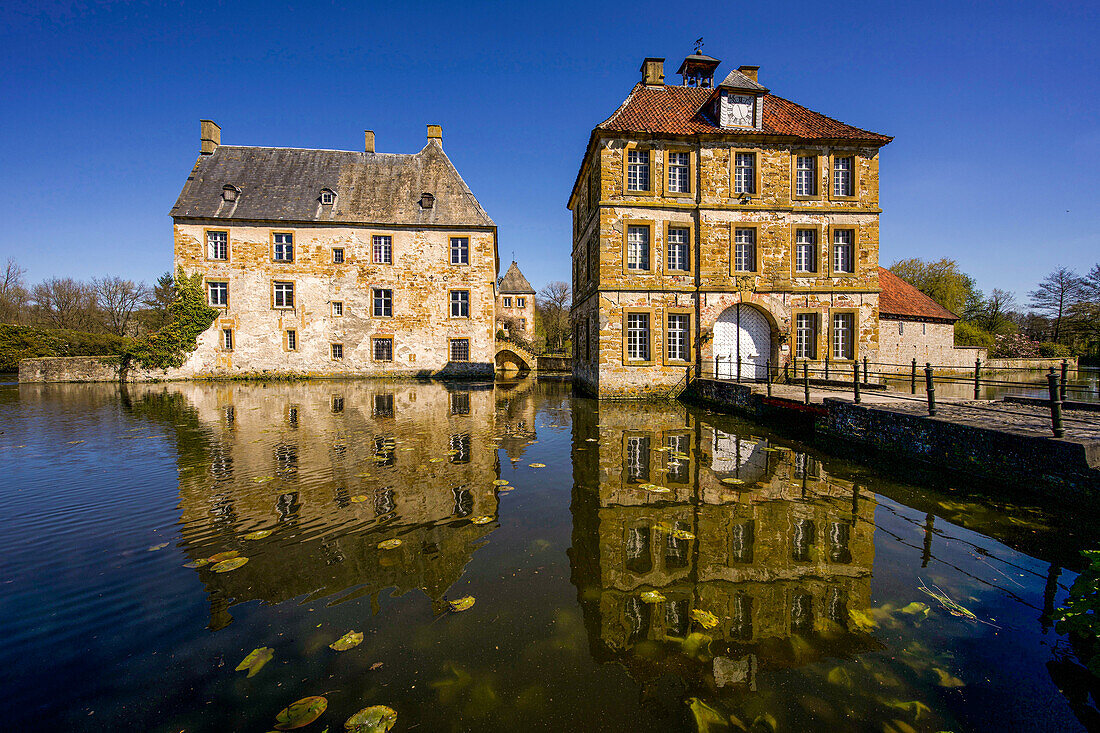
831	119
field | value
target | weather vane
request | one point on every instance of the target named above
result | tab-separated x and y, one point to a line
699	46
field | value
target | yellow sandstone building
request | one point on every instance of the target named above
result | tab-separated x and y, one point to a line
720	226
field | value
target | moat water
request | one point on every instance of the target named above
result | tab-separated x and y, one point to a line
632	567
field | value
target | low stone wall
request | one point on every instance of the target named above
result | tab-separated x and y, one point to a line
70	369
1039	363
554	364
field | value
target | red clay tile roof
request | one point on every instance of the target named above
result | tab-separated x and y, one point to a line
901	300
676	110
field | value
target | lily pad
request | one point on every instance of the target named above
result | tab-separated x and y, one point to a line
301	713
732	481
916	608
347	641
389	544
375	719
359	498
435	460
258	534
200	563
652	596
500	482
537	465
161	546
227	555
256	659
706	619
481	520
653	489
462	604
263	479
226	565
682	534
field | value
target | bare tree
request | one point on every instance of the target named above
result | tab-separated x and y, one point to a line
13	292
117	300
993	316
1056	297
64	303
552	307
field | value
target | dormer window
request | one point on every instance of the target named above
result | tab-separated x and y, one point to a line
328	197
427	201
230	193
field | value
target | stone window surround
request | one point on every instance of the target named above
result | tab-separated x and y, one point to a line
290	342
209	302
451	347
333	347
206	244
374	348
855	334
690	226
521	302
627	223
652	169
293	295
817	229
507	301
854	229
375	289
227	339
338	259
664	173
393	254
337	309
755	226
451	251
855	175
627	312
756	171
690	336
795	312
293	254
795	155
451	302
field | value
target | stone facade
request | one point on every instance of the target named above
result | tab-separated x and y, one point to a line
609	285
516	305
901	341
334	263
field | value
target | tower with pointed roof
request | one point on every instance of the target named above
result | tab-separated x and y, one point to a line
724	227
515	304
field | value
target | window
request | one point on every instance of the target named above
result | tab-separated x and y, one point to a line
460	304
460	349
460	403
744	173
337	351
637	170
637	247
523	324
805	183
337	308
291	340
678	248
383	302
676	337
507	302
218	293
521	302
678	172
637	336
383	407
328	197
217	245
843	251
805	336
427	200
227	339
744	250
901	328
284	247
338	407
338	255
383	349
460	250
459	446
843	327
843	183
637	458
284	295
383	249
805	251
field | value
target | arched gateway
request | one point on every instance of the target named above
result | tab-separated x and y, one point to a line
742	342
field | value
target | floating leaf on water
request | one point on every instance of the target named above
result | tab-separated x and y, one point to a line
389	544
481	520
375	719
504	489
916	608
256	659
161	546
435	460
597	440
652	596
194	564
258	534
682	534
226	565
263	479
946	679
376	666
227	555
681	456
301	713
732	481
706	619
657	489
500	482
359	498
347	641
839	676
452	452
537	465
462	604
707	719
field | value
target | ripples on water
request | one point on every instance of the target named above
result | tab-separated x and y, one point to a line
668	568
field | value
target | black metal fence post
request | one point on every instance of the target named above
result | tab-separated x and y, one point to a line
865	370
826	365
1055	405
1062	388
716	367
806	380
913	379
977	377
768	375
855	380
930	386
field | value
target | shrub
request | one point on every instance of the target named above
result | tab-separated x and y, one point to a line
29	342
500	334
188	317
968	334
1051	349
1014	346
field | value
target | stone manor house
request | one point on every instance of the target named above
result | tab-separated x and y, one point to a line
720	224
331	262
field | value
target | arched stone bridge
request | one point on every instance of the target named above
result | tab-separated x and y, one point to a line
513	358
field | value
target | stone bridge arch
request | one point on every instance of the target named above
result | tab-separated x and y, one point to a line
513	359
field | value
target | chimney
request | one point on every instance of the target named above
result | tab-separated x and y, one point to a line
435	132
750	71
653	72
368	136
210	136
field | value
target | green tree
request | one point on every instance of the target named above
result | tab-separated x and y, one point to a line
942	281
159	298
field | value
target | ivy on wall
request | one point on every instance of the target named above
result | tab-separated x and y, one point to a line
188	317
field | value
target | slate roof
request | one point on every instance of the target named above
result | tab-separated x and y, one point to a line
514	281
737	80
284	184
679	110
900	300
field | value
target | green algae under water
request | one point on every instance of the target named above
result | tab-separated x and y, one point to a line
514	558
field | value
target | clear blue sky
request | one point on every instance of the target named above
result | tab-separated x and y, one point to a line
994	108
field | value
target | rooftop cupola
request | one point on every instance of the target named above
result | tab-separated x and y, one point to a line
697	70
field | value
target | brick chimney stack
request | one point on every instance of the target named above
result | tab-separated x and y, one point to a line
653	72
210	136
750	71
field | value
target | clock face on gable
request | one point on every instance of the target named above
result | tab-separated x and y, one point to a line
739	109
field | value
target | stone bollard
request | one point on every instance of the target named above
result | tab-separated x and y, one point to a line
930	387
1055	405
855	380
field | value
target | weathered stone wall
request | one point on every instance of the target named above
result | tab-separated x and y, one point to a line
901	341
522	317
421	278
70	369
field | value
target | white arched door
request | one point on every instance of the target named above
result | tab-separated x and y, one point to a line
742	336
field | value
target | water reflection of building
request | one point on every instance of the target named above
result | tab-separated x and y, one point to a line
517	409
333	468
756	534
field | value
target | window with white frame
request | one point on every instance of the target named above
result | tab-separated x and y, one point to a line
677	335
744	173
460	304
843	333
219	294
805	336
383	249
843	182
678	248
637	170
637	336
328	197
805	250
337	351
521	302
284	247
383	302
338	255
637	458
637	247
291	340
744	250
678	172
383	349
507	302
843	251
460	250
227	339
217	245
284	294
460	349
805	183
